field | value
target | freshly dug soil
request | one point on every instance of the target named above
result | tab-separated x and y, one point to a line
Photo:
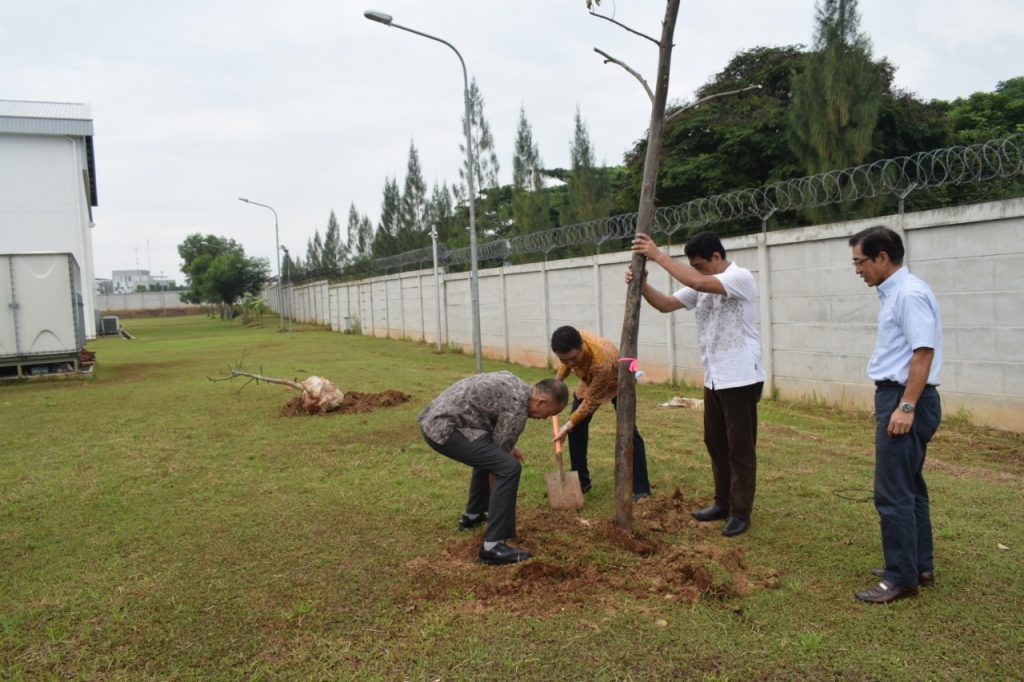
578	561
353	402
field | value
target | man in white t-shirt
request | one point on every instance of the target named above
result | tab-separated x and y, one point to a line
723	297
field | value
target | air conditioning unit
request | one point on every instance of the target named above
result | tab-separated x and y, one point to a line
110	325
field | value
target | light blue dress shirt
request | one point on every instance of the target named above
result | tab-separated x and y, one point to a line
908	319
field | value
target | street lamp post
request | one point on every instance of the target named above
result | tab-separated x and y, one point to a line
277	253
474	287
437	288
288	279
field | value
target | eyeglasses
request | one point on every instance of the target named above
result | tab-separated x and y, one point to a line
857	262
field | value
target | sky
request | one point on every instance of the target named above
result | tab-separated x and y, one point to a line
308	107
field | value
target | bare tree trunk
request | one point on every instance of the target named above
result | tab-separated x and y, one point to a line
626	412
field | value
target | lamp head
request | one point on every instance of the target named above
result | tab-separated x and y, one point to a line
379	17
245	200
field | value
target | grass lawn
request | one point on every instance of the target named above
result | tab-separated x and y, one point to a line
157	525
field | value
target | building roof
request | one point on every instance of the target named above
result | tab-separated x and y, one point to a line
52	118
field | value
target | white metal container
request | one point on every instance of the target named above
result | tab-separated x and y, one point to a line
41	312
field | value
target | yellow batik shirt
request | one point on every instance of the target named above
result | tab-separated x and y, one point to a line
598	371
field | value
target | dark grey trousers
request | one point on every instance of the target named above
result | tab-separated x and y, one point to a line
486	458
901	496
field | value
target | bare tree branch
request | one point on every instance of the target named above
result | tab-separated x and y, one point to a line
702	100
617	23
258	378
609	58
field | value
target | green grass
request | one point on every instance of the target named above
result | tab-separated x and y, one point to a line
157	525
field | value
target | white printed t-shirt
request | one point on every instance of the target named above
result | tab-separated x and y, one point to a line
730	348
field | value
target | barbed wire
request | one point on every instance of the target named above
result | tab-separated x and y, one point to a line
899	176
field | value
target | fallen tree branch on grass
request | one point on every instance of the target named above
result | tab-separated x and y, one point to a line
319	395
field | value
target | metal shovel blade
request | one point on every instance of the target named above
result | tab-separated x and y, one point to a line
564	491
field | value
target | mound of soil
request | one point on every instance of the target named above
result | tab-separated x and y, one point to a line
354	402
578	561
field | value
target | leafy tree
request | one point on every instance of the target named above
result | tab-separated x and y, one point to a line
530	205
988	115
197	254
412	230
365	241
384	241
231	276
485	166
440	215
589	190
837	97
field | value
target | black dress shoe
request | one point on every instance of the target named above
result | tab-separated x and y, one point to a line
466	523
885	592
712	513
503	554
586	488
735	526
924	578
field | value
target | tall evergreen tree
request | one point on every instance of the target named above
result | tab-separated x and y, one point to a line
441	214
530	205
412	230
589	190
352	250
836	99
485	160
333	257
364	244
315	255
384	239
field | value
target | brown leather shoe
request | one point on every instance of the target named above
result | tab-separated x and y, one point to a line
924	578
885	592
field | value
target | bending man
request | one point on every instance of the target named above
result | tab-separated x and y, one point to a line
477	421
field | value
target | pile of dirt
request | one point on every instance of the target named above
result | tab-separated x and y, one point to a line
578	561
353	402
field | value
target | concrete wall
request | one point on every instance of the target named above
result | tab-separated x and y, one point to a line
44	204
140	300
817	318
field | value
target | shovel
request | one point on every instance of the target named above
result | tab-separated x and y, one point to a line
564	490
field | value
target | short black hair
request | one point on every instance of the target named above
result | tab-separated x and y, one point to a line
875	240
704	244
566	339
555	389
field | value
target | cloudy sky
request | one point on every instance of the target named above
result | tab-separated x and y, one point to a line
307	106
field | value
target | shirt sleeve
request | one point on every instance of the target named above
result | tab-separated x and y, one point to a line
563	372
918	321
738	283
687	296
508	428
603	386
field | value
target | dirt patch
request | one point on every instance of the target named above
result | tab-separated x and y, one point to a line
354	402
578	561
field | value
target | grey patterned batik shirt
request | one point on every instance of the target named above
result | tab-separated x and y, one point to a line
496	403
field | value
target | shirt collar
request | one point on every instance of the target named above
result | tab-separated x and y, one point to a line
891	282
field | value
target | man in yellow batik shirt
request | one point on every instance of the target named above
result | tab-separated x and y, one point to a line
596	362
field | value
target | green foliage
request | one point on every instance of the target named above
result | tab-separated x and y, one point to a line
589	189
412	221
333	258
837	96
384	240
987	115
531	206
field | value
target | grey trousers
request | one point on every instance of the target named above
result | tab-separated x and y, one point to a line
486	458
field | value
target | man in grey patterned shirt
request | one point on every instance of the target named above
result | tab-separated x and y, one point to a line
477	421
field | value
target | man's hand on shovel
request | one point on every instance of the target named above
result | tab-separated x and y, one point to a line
560	433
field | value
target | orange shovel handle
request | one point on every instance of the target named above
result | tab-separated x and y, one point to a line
554	430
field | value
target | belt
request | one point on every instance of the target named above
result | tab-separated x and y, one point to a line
888	384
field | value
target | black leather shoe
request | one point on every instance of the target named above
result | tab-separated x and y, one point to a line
735	526
924	578
466	523
885	592
503	554
712	513
586	488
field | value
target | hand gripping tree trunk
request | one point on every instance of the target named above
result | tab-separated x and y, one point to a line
626	412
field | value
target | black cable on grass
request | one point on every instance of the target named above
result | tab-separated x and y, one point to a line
854	495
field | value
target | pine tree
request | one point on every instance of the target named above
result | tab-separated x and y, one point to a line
589	190
530	206
333	258
485	161
315	255
366	238
836	99
441	213
352	248
384	239
412	229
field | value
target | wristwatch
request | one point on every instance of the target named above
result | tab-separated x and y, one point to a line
907	407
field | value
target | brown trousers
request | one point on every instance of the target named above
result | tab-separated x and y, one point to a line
730	434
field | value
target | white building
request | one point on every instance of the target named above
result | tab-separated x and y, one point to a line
128	281
48	186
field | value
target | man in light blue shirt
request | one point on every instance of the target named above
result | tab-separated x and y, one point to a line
905	369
